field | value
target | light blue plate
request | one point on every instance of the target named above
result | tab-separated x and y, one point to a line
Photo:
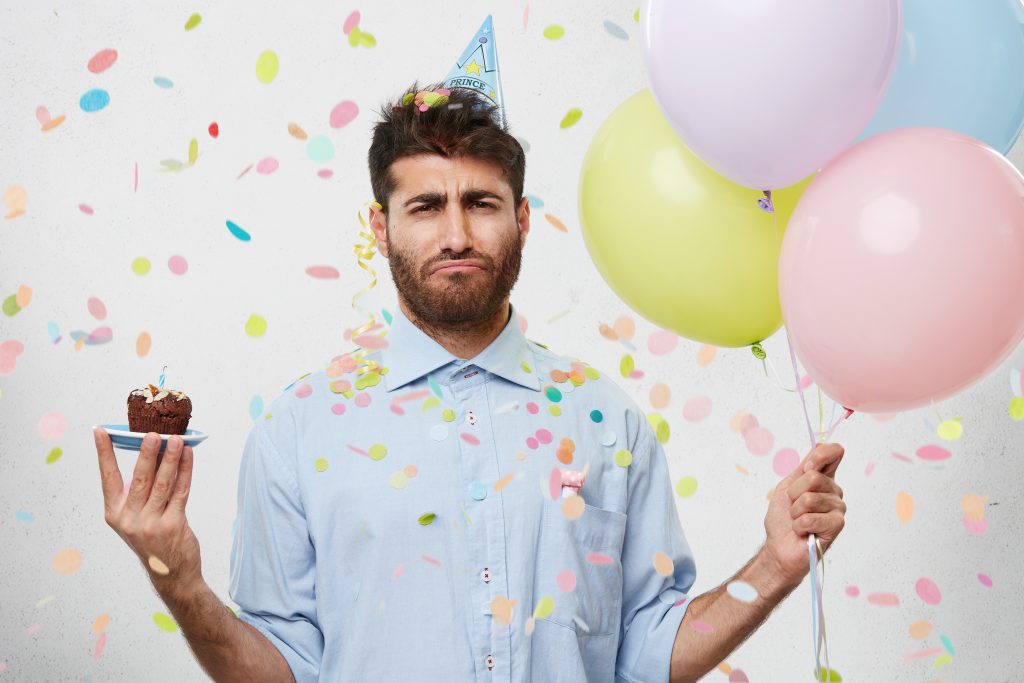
127	440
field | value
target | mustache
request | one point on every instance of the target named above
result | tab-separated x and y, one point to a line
486	260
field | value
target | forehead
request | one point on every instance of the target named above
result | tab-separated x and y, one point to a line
434	173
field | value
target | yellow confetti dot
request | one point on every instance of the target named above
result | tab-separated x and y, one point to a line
571	117
591	373
266	66
573	506
165	622
378	451
1016	409
636	15
256	326
544	608
398	480
554	32
192	22
626	365
54	455
525	366
686	487
623	457
554	410
141	265
950	430
660	426
321	464
158	567
663	564
193	151
426	518
431	402
448	415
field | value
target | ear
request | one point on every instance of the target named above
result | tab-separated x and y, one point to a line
378	224
523	219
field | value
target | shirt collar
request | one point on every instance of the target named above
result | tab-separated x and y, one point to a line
411	353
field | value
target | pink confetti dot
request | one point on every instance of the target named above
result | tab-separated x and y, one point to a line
985	581
928	591
397	409
344	113
785	461
52	426
102	60
469	438
532	443
662	342
363	399
96	308
267	165
566	580
759	441
932	453
303	390
852	591
86	209
338	408
976	528
598	558
177	265
544	436
738	676
636	374
747	423
532	408
697	408
701	626
806	381
322	272
325	173
351	22
555	483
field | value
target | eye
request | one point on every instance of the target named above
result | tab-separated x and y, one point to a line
483	205
422	208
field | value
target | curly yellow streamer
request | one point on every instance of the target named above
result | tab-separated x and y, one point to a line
365	252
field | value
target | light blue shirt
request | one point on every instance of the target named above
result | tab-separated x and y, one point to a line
385	531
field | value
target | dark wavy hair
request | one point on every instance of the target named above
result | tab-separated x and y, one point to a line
466	125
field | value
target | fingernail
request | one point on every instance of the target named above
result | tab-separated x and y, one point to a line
96	434
174	443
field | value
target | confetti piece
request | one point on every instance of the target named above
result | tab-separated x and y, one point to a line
928	591
904	507
343	113
544	608
706	355
623	457
920	629
165	622
686	487
660	395
266	165
626	365
296	131
553	394
54	455
100	623
660	426
884	599
102	60
303	390
556	223
697	408
15	198
256	326
701	626
86	209
23	296
544	436
503	482
142	344
192	22
785	461
624	327
193	151
950	430
320	149
759	441
737	676
985	580
67	561
351	21
566	580
1016	408
742	591
96	308
573	506
378	451
163	82
828	676
932	453
599	558
663	564
267	66
141	265
94	100
238	232
662	342
615	30
596	416
157	565
534	202
398	480
469	438
10	306
501	609
554	32
426	518
571	117
24	516
52	426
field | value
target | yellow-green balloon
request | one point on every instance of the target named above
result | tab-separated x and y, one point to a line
681	245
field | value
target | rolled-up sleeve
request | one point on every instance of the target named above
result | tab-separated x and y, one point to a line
272	558
650	613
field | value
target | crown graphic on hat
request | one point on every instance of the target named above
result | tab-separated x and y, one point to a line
477	68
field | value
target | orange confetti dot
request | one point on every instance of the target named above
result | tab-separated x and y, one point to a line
23	296
607	332
101	623
501	609
410	471
564	456
67	561
663	564
706	354
558	376
904	507
920	629
296	131
573	506
624	327
142	344
555	222
504	481
660	396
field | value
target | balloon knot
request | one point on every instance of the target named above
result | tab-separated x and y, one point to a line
765	203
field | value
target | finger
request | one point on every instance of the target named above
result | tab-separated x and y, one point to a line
824	458
823	524
813	481
813	501
110	474
142	478
183	483
166	473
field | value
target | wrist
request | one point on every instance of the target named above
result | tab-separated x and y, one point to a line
776	580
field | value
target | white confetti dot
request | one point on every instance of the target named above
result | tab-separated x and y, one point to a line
439	432
608	439
742	591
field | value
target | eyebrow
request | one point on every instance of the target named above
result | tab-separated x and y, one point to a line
468	196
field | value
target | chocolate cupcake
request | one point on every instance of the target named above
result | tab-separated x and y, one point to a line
164	411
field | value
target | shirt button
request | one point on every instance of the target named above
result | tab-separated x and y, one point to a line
486	575
477	491
490	662
471	417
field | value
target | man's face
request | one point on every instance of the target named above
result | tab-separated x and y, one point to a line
453	237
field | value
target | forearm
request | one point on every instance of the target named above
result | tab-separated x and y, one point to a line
227	648
732	621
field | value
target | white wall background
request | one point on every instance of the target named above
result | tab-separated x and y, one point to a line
297	219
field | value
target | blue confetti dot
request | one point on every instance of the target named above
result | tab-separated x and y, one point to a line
162	82
596	415
23	516
255	406
94	100
320	149
477	491
535	202
616	30
238	232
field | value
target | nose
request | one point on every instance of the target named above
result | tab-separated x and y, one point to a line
456	234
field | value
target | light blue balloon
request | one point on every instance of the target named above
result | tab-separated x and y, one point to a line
961	67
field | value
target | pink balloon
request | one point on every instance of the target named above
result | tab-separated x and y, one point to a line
766	92
900	272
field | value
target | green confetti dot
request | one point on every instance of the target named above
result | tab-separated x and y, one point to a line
431	402
1016	409
525	366
165	622
544	608
256	326
553	394
266	66
141	265
378	451
54	455
193	151
192	22
555	410
554	32
232	611
660	426
398	480
448	415
636	15
623	457
426	518
596	415
591	373
320	464
369	379
626	365
686	487
571	117
11	306
829	676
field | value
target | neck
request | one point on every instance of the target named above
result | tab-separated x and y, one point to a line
464	340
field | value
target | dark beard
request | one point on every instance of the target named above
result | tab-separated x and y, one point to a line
463	298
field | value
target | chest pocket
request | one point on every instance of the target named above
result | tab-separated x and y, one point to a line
590	547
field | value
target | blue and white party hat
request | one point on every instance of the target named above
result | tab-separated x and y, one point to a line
477	68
